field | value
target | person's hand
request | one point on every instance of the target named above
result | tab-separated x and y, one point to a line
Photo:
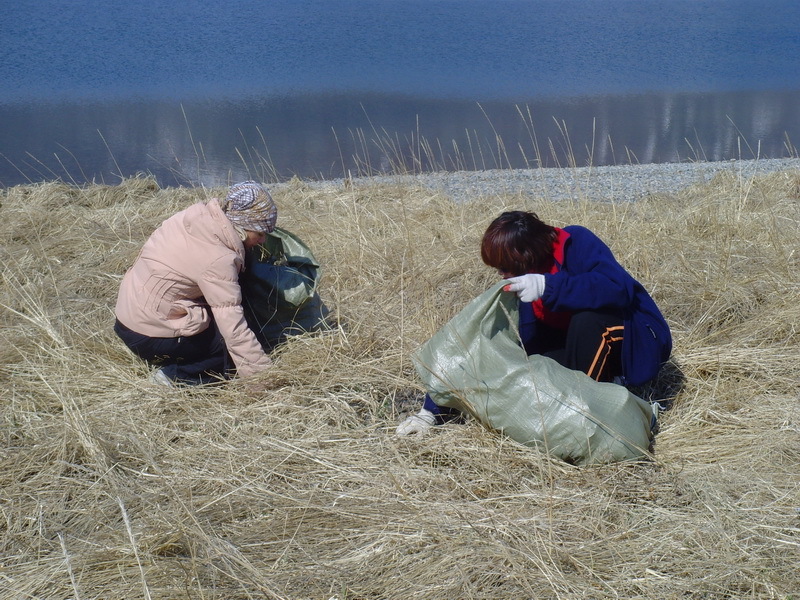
259	382
529	287
256	386
416	424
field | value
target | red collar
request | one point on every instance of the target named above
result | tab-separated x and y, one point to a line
559	320
558	249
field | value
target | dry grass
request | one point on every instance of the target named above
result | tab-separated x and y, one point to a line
296	488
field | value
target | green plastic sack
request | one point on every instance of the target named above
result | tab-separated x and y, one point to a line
475	364
279	289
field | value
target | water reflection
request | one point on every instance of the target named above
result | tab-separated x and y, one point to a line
326	136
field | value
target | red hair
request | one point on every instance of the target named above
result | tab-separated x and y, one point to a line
518	242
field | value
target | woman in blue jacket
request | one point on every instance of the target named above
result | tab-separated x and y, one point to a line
578	305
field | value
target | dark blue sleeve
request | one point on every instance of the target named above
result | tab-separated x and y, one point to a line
590	278
442	413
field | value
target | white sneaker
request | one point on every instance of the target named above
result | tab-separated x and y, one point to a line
158	377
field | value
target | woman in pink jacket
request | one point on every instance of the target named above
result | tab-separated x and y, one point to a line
180	305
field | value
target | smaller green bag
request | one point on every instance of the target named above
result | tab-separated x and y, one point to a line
279	289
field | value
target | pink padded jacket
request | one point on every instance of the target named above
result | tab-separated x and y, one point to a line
191	264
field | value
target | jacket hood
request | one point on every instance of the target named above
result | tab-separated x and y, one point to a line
218	229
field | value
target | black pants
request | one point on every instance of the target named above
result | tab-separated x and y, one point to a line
592	344
196	359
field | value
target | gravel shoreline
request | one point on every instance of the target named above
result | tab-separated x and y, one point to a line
611	183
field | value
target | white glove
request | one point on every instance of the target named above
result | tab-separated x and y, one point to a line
529	287
418	423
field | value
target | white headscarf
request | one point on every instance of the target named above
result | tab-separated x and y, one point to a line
249	206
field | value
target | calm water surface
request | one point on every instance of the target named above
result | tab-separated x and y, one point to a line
206	91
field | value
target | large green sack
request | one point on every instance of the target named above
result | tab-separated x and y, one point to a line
279	289
475	364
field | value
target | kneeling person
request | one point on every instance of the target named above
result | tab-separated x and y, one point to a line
577	305
180	304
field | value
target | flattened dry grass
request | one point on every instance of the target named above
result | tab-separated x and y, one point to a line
293	486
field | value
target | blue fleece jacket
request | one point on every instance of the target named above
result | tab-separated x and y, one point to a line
590	278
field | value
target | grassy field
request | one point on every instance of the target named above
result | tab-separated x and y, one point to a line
292	485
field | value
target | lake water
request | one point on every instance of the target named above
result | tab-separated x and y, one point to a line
204	91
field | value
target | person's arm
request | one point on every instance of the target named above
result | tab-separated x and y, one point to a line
220	287
591	279
429	415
